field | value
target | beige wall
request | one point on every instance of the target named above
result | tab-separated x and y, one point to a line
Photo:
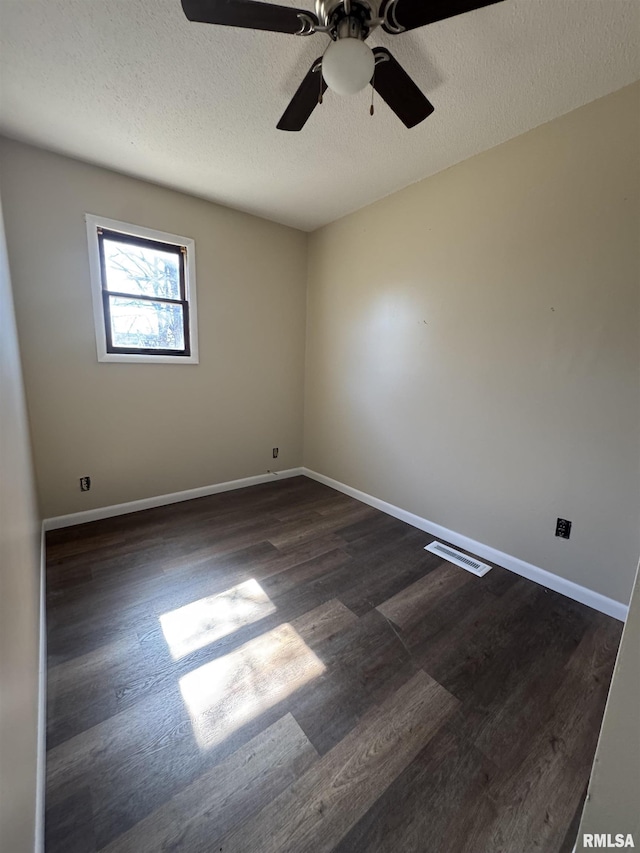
149	429
472	347
19	593
612	806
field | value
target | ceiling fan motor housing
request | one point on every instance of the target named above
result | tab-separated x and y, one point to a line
348	63
346	18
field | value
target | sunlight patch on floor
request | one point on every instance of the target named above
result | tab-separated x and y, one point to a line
196	625
229	692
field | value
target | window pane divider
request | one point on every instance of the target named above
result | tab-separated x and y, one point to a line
143	296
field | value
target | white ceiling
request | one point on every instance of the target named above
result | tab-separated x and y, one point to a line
132	85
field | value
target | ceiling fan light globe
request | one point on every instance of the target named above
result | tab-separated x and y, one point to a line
347	66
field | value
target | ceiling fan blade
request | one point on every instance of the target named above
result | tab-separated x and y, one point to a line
409	14
394	85
305	99
250	14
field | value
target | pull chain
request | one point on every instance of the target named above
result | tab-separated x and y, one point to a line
373	83
321	94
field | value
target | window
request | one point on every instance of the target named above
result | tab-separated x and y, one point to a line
143	286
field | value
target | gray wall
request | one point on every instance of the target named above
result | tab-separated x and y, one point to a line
472	347
19	593
141	430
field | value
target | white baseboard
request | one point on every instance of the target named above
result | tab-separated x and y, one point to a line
163	500
527	570
41	746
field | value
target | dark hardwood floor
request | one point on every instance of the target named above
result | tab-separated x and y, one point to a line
282	668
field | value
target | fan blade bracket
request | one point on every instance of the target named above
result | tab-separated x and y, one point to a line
389	22
308	24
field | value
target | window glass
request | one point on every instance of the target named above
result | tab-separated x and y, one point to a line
146	324
141	269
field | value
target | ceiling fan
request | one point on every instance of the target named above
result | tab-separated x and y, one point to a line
348	64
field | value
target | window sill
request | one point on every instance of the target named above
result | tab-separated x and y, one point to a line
130	358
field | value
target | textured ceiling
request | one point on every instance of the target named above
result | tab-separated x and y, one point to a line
132	85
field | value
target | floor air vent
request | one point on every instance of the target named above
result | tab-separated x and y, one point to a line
460	559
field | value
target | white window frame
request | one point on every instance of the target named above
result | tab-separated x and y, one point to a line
93	224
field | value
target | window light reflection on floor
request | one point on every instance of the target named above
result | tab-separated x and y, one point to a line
229	692
204	621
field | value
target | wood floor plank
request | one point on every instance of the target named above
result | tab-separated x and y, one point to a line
287	579
376	524
457	651
226	795
408	606
151	726
385	574
528	818
209	618
365	664
423	809
484	667
381	544
522	701
228	692
313	814
308	548
68	639
451	612
80	691
129	792
69	826
294	531
324	622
